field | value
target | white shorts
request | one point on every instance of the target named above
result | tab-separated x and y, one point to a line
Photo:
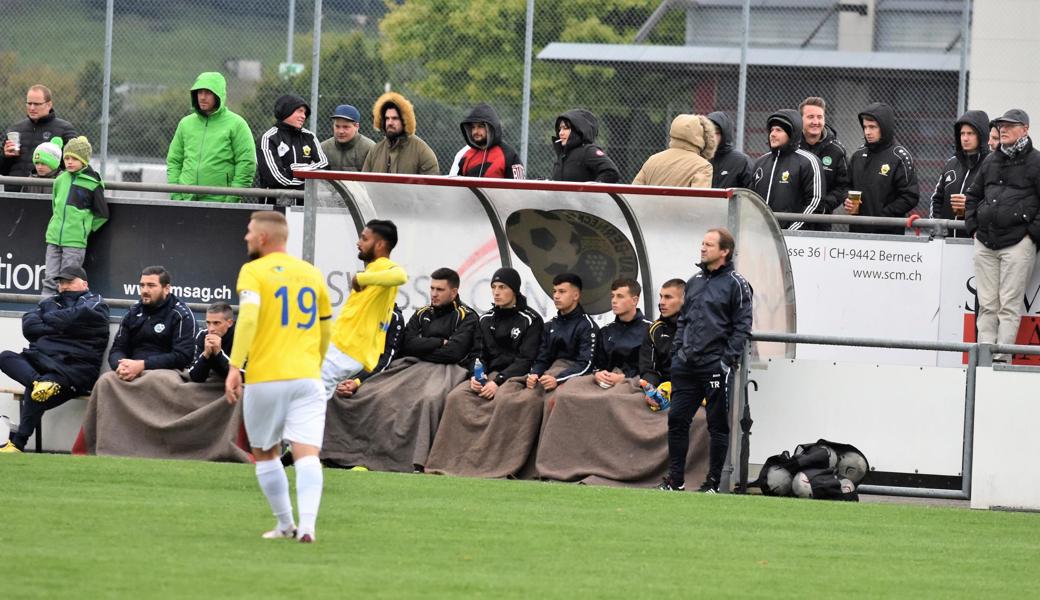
336	367
292	409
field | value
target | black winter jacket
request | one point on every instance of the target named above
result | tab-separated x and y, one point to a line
1003	203
284	148
426	332
731	167
163	336
715	320
508	340
32	134
835	166
201	367
655	355
581	159
392	346
620	343
788	178
68	334
960	169
572	336
884	171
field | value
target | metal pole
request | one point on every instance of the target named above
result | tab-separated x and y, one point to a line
310	218
292	32
742	82
106	95
525	111
315	65
962	82
967	454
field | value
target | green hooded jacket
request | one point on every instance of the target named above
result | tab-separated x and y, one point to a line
215	150
78	208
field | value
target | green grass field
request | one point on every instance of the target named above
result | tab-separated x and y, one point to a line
103	527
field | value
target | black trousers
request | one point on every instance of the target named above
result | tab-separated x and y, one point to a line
688	389
15	366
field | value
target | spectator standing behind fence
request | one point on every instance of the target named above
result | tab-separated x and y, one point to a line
288	147
46	165
487	155
961	168
994	138
883	171
212	146
578	158
67	335
347	149
78	208
400	150
1002	212
787	177
821	139
40	125
691	145
730	167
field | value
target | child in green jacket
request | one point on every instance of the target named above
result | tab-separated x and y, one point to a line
78	209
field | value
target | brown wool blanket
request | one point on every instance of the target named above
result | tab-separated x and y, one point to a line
162	415
390	423
610	437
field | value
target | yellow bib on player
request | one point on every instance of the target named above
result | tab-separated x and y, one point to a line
360	329
293	299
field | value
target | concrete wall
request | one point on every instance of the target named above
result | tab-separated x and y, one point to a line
1004	47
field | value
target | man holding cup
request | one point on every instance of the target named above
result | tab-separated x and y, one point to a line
961	168
39	126
1002	213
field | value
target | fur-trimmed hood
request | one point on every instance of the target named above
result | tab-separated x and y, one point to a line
403	106
695	133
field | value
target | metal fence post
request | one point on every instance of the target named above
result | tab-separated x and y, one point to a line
106	93
310	218
962	82
742	82
967	454
315	66
292	32
525	111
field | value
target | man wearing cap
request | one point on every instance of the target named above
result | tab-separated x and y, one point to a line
288	147
400	151
39	126
347	148
212	146
787	177
67	335
1002	213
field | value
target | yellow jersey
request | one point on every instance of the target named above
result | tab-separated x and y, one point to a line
293	300
360	329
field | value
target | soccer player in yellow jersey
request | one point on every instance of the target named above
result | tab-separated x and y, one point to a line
283	331
360	331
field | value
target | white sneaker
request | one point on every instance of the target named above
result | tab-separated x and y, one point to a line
278	534
307	538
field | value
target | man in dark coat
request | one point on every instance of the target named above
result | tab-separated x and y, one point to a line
67	336
730	167
960	170
39	126
787	177
822	140
213	344
578	158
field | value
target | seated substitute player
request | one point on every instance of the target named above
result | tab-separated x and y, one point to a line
213	344
283	331
568	342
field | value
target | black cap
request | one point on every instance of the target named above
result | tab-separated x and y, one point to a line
1015	115
72	272
509	277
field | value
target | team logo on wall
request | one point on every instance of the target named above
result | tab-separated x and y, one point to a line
561	241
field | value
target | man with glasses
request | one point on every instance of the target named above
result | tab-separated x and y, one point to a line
39	126
1002	213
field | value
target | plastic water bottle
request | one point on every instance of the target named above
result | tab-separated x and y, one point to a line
478	372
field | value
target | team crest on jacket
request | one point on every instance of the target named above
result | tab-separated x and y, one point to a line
827	161
282	149
307	151
599	153
885	169
785	177
514	332
159	328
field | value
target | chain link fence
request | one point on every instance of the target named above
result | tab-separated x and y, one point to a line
633	63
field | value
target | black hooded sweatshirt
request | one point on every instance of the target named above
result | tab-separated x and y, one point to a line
960	169
581	159
732	168
284	148
493	159
788	178
508	340
835	166
884	171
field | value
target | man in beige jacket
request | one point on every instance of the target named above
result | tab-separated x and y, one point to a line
686	162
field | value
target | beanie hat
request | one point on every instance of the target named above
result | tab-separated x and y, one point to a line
48	153
287	104
509	277
79	148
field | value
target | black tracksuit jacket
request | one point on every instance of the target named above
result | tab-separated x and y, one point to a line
508	340
884	171
163	336
960	169
655	355
620	343
715	321
428	329
572	336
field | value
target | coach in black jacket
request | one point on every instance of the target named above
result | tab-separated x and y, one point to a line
883	170
443	331
67	336
730	167
787	178
578	158
288	147
714	324
571	335
970	149
509	335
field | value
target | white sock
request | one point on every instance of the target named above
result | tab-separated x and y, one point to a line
309	482
275	486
